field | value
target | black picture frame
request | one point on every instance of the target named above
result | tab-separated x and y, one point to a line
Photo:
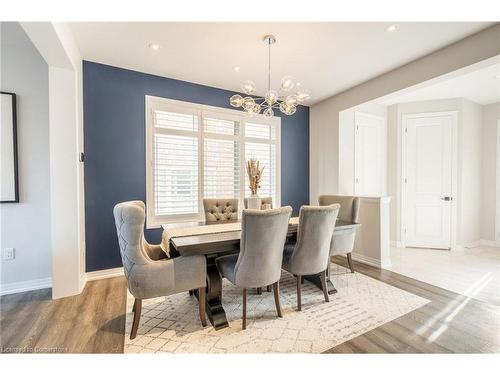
14	138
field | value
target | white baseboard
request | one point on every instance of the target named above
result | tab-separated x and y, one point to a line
366	260
397	244
489	243
104	274
25	286
477	244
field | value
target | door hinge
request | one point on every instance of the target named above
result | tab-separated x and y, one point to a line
406	130
406	180
82	157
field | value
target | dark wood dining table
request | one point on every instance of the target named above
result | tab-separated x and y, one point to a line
213	245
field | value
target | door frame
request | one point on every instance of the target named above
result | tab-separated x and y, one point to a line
383	120
454	175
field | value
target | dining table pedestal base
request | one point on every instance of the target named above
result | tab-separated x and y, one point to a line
213	304
316	280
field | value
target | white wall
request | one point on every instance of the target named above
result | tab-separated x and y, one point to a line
25	226
324	116
491	114
469	163
346	157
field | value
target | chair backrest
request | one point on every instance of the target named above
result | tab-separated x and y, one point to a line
349	206
129	222
316	226
263	202
220	210
263	235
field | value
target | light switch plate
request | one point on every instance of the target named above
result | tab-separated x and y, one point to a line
9	253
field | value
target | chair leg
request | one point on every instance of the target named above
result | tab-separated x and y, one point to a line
137	316
276	289
244	320
201	305
322	276
299	293
349	261
259	291
269	288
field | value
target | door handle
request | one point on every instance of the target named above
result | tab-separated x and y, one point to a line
446	199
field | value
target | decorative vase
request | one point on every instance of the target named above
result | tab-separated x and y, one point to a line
254	202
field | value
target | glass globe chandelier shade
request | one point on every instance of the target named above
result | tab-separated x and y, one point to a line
268	112
303	95
236	101
287	83
248	87
291	100
271	97
248	104
285	99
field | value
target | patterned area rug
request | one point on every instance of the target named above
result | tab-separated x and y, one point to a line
172	325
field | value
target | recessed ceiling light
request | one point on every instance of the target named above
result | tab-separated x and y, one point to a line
391	28
154	46
297	84
236	68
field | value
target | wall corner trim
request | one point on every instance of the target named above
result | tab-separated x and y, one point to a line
104	274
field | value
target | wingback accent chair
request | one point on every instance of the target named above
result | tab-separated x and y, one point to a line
263	202
149	273
343	240
220	210
263	235
311	254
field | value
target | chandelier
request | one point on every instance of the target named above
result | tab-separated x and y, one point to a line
286	98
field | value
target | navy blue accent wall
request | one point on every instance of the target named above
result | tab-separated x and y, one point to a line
114	136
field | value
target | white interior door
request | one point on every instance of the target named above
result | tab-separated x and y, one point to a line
369	155
428	180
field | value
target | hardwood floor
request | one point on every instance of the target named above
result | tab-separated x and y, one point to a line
94	322
450	323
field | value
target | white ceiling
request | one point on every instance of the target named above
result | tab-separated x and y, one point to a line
481	86
327	58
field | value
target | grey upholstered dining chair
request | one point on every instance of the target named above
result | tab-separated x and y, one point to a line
343	240
311	253
263	202
149	274
220	210
263	235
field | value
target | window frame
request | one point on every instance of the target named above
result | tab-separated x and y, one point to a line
153	103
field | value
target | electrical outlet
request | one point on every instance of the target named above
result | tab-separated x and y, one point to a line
9	253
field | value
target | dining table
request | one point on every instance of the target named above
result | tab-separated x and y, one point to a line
217	239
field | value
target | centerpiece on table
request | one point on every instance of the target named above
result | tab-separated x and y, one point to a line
254	173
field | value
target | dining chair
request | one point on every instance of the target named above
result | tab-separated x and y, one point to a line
263	235
220	210
310	255
264	202
343	240
148	272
